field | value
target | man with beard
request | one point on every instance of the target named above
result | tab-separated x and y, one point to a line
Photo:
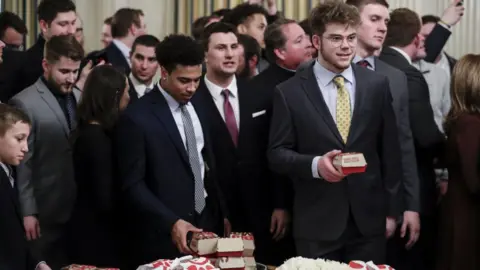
239	121
249	53
374	16
45	178
330	108
144	66
22	69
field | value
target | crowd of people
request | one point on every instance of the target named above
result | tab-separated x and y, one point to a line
113	158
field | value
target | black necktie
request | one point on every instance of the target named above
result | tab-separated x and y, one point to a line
71	110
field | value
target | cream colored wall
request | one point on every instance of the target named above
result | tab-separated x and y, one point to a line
160	17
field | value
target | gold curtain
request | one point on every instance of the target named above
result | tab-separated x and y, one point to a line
26	9
187	11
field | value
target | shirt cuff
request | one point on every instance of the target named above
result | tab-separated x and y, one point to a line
315	168
444	25
38	264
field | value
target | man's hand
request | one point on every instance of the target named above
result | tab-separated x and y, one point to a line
32	227
279	224
179	235
443	187
227	227
326	169
85	71
453	13
43	266
411	220
391	226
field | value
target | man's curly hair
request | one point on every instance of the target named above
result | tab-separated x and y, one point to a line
177	50
333	11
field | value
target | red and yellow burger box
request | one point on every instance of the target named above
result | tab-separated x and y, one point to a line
349	163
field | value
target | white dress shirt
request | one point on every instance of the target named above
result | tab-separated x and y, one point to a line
139	86
124	49
329	92
8	170
444	64
216	92
197	127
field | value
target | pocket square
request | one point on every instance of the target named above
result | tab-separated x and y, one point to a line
256	114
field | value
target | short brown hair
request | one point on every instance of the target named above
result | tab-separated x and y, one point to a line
9	116
332	11
123	19
361	3
403	27
108	21
275	38
465	88
65	45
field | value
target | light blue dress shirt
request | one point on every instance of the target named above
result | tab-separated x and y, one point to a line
329	92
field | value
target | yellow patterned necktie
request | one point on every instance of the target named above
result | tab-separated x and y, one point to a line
343	112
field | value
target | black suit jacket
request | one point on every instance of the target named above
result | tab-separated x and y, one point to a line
132	92
113	56
156	177
14	253
427	138
243	171
303	128
21	69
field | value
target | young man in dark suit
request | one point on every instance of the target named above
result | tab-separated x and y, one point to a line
167	168
144	66
330	108
54	18
371	34
401	45
14	130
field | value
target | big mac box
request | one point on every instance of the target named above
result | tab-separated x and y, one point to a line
248	242
349	163
230	247
231	263
204	243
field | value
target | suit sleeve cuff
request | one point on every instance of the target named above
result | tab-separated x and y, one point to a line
315	168
444	25
38	264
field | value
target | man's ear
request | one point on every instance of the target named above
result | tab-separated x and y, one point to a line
279	53
316	42
242	29
45	65
43	26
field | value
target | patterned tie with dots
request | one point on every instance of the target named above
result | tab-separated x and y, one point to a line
343	112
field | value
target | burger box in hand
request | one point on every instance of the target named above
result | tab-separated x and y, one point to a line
231	263
230	247
348	163
248	242
204	244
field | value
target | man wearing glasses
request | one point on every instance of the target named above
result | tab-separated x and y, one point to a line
12	30
335	107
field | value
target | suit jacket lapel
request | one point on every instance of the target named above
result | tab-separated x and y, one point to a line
245	116
5	182
52	102
203	94
360	92
310	86
162	111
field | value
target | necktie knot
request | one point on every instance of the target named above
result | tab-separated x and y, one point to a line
225	93
363	63
147	90
339	81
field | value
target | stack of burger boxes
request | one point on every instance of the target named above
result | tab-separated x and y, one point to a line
232	253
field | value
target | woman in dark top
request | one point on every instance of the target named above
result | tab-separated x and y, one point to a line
460	210
94	232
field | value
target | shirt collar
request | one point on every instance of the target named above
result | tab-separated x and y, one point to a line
7	169
403	53
122	47
172	103
136	83
370	59
325	76
216	90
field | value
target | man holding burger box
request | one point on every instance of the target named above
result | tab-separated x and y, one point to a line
336	105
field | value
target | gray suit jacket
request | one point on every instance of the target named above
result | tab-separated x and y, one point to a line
46	177
399	89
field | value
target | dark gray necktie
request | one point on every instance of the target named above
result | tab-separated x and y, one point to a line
193	158
71	110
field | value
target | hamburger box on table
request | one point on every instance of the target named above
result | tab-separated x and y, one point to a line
349	163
